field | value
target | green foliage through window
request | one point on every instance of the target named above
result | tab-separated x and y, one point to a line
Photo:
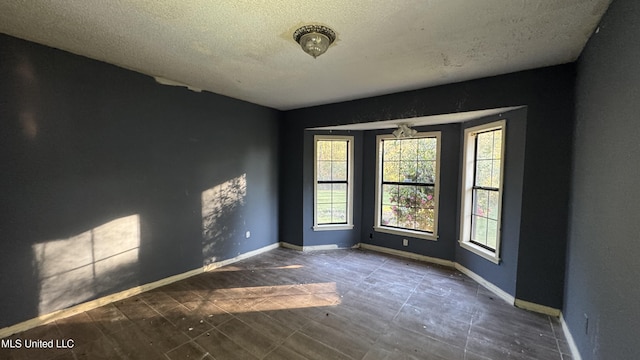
486	189
408	183
332	173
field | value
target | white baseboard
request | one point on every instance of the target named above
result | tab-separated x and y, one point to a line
311	248
510	299
246	255
407	254
489	286
575	354
90	305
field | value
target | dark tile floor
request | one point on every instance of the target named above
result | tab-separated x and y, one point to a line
285	304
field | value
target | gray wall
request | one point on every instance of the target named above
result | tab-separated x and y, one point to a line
342	238
603	266
444	248
536	273
91	154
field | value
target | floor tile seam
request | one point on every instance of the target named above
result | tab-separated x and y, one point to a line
274	343
57	326
406	301
434	338
329	327
553	329
531	345
448	344
191	340
410	293
273	320
529	336
232	340
325	344
530	329
282	344
155	310
466	343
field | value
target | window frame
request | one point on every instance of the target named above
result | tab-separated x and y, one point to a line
468	184
333	226
378	227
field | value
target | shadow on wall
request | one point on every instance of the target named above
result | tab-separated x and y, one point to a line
88	265
222	212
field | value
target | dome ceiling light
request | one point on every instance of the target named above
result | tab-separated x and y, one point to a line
314	39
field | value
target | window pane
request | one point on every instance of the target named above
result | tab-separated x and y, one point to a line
424	220
427	197
339	193
497	144
427	149
339	150
391	150
388	216
324	170
407	195
391	171
485	145
426	172
324	213
479	229
339	213
493	205
483	173
324	150
406	217
339	171
480	202
409	149
492	233
323	193
408	171
390	194
495	173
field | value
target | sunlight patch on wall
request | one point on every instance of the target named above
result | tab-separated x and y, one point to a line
221	209
87	265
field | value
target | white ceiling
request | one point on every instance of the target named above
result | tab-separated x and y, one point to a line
244	48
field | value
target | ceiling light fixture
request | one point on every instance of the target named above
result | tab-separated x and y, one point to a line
404	131
314	39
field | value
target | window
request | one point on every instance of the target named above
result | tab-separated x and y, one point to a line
482	189
333	182
407	185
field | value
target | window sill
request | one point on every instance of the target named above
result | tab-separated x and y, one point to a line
480	251
408	233
332	227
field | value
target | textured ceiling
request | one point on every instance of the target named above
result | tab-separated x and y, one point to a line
244	48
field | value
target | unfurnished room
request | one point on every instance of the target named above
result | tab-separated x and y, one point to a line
299	180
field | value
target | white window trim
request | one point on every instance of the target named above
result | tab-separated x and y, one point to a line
436	192
467	191
350	167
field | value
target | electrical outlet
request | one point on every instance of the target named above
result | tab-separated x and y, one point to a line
370	235
405	242
247	234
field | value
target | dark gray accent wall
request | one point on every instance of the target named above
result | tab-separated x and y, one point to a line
603	264
548	95
444	248
341	238
91	154
505	275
